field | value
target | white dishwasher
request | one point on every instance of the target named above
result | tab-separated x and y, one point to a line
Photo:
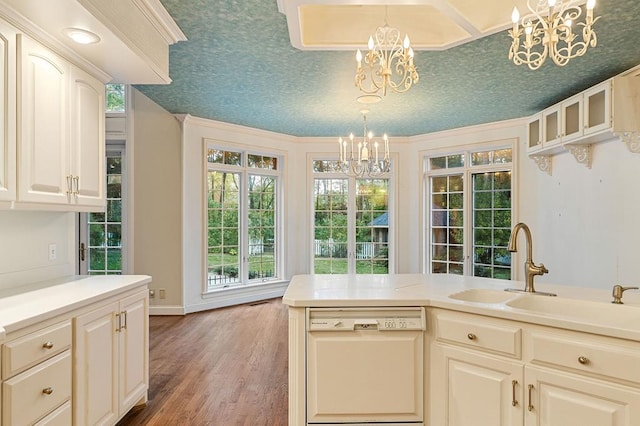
365	366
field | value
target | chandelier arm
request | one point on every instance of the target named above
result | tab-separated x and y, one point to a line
548	31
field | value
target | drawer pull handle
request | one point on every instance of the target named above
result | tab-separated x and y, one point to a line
583	360
514	401
47	345
530	407
471	336
47	391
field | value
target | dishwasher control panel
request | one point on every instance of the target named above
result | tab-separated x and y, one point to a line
381	319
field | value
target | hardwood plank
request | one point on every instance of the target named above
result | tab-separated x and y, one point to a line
221	367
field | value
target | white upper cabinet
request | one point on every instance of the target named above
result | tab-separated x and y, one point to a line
61	132
44	144
7	113
87	151
608	110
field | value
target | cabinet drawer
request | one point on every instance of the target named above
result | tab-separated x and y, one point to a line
597	356
29	350
479	332
34	393
61	416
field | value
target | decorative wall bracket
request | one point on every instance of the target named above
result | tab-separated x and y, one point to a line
582	154
632	140
543	162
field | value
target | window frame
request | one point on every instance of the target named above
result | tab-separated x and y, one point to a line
467	171
243	212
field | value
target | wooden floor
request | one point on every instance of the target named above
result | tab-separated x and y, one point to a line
223	367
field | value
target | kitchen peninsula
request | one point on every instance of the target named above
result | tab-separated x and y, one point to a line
488	356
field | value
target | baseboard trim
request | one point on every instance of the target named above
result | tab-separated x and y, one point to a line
166	310
239	296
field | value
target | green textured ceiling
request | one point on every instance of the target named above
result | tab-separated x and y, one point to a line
238	66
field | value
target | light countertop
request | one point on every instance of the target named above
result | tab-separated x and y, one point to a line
27	305
435	290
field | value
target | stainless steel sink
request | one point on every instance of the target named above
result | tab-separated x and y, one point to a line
483	295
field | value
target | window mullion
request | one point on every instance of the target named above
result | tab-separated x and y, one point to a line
351	226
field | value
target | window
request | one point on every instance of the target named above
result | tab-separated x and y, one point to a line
469	226
351	222
115	98
243	204
102	233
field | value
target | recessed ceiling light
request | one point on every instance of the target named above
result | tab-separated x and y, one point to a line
81	36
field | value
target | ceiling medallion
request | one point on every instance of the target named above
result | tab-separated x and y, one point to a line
387	65
548	31
364	162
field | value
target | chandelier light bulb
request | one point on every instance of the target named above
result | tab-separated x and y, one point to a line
515	15
552	3
370	45
407	43
359	58
591	4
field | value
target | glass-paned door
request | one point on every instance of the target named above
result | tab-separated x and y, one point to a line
101	234
262	226
492	224
372	226
351	221
469	213
223	259
447	224
330	250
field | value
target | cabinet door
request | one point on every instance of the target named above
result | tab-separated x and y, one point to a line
551	126
7	113
95	399
471	389
534	133
43	145
134	344
87	139
572	118
563	399
597	108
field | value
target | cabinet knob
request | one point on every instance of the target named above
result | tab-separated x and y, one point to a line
47	391
47	345
583	360
471	336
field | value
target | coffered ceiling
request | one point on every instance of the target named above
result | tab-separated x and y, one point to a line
250	62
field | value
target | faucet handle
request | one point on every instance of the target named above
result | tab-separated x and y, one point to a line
617	293
543	269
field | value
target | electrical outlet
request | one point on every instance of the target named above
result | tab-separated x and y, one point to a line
152	293
163	293
53	252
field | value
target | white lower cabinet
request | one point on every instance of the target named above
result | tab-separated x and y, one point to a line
492	372
558	398
36	372
477	389
111	349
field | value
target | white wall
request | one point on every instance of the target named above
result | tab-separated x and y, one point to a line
24	246
588	230
155	147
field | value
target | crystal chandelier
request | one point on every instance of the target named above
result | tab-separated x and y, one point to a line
387	64
366	160
548	31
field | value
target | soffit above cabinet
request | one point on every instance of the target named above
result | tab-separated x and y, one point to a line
134	34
